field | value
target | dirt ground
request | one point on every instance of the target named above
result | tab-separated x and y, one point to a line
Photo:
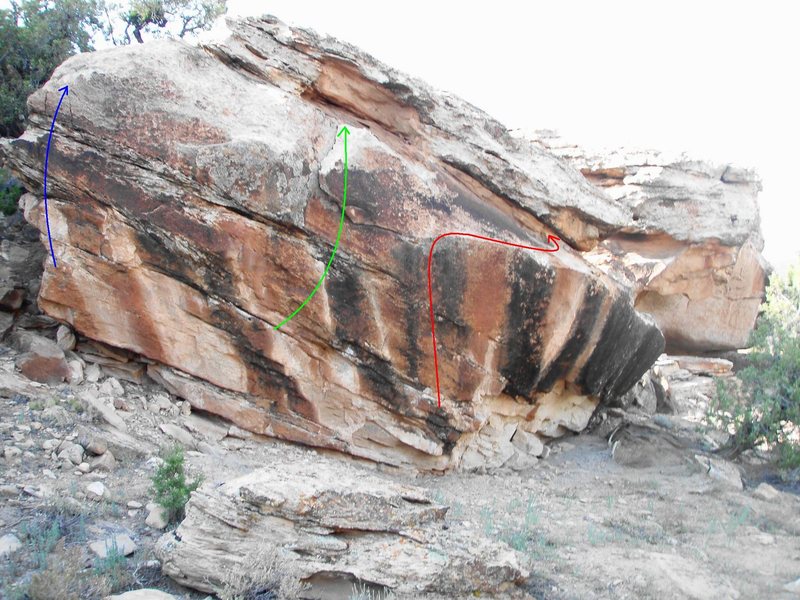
638	518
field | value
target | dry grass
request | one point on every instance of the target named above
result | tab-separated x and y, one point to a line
67	576
263	575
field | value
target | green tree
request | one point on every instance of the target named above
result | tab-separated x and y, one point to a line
38	35
168	17
170	486
765	408
35	37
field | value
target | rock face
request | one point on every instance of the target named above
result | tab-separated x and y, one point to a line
691	254
330	526
194	198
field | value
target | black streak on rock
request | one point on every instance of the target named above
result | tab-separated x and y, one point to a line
591	305
531	287
613	368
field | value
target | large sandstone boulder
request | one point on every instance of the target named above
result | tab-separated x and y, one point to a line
692	251
194	198
329	525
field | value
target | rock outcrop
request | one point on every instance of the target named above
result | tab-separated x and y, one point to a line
691	254
329	526
194	197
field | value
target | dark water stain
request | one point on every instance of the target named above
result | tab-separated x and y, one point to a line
531	288
593	298
626	349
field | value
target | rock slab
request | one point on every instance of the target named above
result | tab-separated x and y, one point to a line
331	524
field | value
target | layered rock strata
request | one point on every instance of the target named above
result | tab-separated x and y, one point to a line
194	198
331	526
692	251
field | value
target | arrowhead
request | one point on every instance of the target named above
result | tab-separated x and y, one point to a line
344	130
64	89
552	239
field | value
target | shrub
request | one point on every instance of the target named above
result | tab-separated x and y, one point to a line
171	489
65	577
764	406
10	192
261	576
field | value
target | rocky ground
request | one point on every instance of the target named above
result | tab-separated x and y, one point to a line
640	518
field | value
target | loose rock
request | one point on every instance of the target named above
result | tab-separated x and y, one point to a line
9	543
122	542
157	518
95	490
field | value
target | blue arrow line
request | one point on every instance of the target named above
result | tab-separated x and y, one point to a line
64	92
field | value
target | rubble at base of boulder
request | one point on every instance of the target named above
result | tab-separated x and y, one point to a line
331	525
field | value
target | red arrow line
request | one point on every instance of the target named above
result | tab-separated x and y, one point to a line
550	239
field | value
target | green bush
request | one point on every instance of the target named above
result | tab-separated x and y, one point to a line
170	486
764	407
9	194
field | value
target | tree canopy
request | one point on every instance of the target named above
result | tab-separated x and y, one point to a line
35	37
38	35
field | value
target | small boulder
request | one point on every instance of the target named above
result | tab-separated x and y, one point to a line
41	359
10	452
144	594
92	373
75	374
11	299
9	543
179	434
104	462
65	338
6	321
95	490
71	452
112	387
94	444
122	542
157	518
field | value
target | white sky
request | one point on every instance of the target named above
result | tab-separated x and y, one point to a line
720	80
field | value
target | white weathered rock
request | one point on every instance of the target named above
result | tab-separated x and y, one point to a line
112	387
107	412
157	518
65	338
122	542
71	452
178	434
335	519
9	543
134	504
75	375
95	490
144	594
104	462
93	373
11	452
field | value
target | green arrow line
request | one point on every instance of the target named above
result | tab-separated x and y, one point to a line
344	130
